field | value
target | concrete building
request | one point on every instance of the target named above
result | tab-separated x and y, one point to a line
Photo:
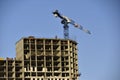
10	69
42	59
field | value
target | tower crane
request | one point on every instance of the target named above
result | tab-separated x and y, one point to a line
65	21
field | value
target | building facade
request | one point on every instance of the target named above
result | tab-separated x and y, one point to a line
42	59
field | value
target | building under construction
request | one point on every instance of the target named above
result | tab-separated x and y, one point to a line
42	59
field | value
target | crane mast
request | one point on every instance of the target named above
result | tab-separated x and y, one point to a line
65	21
66	29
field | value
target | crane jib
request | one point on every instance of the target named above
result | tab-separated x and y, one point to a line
65	20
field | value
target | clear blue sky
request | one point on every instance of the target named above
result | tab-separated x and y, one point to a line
98	53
